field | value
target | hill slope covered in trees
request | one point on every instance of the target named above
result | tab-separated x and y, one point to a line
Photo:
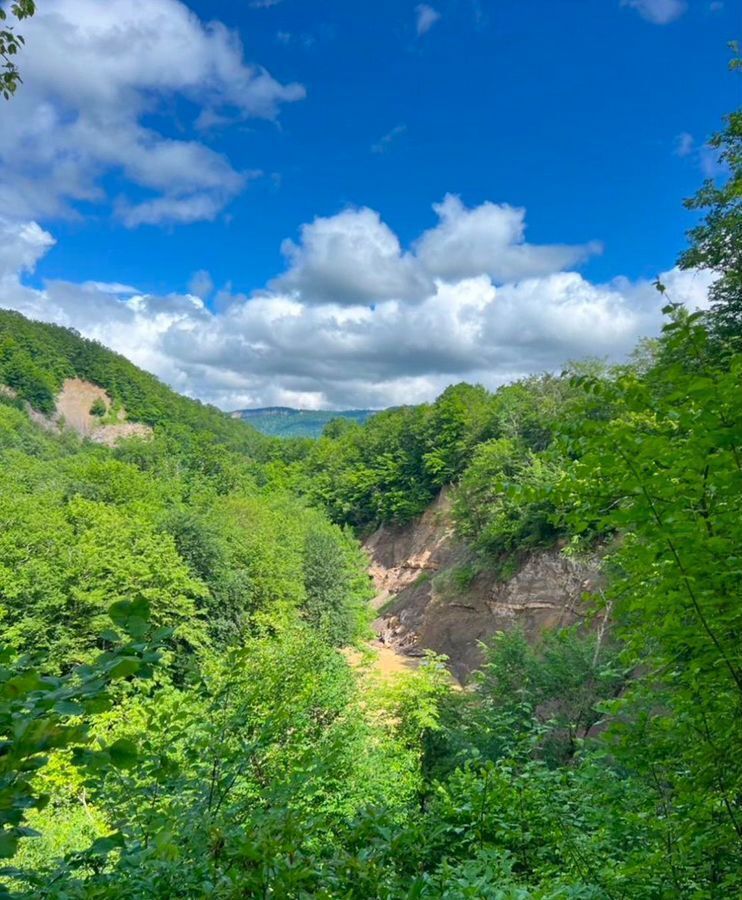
36	358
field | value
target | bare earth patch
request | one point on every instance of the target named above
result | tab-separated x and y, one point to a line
383	661
73	410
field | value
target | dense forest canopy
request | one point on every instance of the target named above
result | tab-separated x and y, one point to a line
177	718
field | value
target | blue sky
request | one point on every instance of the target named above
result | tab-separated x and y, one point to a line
591	115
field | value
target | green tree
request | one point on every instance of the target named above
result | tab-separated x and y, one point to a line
666	474
98	408
61	564
504	502
716	243
10	44
19	371
332	606
459	419
41	714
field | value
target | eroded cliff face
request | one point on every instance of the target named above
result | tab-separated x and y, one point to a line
428	597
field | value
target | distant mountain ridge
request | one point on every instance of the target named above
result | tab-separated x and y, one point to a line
285	421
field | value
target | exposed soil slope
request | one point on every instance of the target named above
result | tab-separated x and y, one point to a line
425	603
74	403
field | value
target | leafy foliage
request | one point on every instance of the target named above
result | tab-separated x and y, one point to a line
716	243
10	44
40	714
592	765
98	408
390	470
330	569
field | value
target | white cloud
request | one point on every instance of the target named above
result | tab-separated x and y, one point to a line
350	258
385	142
684	144
110	287
425	18
285	347
490	239
354	257
21	247
201	284
659	12
92	72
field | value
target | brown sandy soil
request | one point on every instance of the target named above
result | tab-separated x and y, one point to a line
73	409
383	661
74	402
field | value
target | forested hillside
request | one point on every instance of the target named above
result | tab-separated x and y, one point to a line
36	358
178	718
138	582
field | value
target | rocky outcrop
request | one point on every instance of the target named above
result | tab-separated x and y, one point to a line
400	555
432	595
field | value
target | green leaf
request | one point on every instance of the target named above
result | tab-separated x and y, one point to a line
123	753
102	846
8	844
131	615
113	637
68	708
124	667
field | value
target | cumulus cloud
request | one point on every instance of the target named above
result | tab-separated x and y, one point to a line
304	348
425	18
659	12
21	247
92	73
350	258
355	257
490	238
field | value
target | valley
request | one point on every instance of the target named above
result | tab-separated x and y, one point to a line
237	650
370	450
